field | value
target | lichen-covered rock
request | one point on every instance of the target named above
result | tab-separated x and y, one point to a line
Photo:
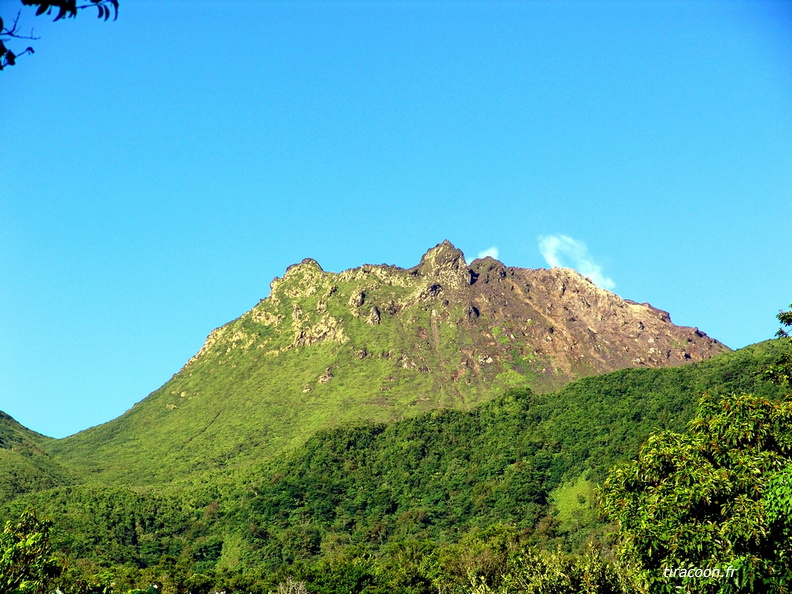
444	265
357	299
552	325
327	328
374	317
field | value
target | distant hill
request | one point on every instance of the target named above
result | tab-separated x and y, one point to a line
24	465
375	343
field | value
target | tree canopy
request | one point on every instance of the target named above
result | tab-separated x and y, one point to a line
709	510
27	565
781	371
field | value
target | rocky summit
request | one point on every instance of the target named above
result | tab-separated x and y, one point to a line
378	343
549	326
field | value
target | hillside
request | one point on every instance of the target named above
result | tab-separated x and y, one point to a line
375	343
523	464
24	465
446	472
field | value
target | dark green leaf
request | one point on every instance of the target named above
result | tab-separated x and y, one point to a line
10	58
42	9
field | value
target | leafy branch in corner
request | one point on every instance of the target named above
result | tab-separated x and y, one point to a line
69	8
781	371
64	8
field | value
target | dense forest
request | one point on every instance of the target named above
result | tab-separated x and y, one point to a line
526	493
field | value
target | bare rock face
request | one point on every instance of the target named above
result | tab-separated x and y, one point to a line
374	317
578	325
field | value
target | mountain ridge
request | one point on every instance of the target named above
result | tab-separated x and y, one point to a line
442	268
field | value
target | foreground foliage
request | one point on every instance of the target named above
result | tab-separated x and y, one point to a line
718	497
11	31
27	564
538	572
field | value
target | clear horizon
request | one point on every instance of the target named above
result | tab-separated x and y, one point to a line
161	169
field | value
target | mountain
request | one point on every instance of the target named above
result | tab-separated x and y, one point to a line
375	343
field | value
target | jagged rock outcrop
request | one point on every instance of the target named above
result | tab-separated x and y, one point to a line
444	265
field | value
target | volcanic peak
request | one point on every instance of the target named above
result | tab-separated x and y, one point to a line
380	342
556	317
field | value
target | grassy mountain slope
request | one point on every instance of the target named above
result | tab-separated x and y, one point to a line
376	343
433	477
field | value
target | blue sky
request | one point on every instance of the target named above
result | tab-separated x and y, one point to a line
160	170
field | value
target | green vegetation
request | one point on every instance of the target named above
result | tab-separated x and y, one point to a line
537	571
781	371
715	497
24	465
27	565
306	358
374	344
494	499
574	503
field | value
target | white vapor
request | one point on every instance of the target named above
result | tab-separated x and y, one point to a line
563	251
492	252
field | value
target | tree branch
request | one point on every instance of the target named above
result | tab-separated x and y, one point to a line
12	32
